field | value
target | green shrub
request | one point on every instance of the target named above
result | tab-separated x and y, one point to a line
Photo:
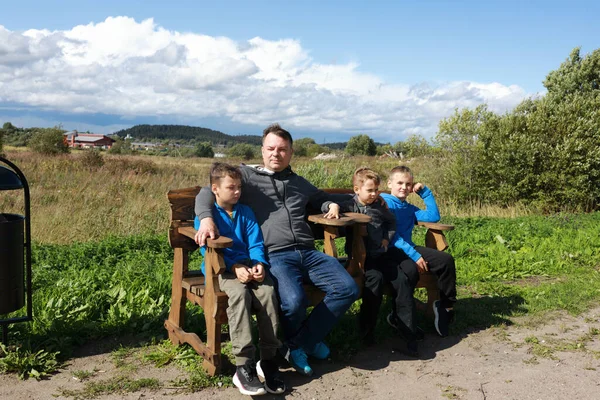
49	141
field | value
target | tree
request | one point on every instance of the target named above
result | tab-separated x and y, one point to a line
49	141
361	145
242	150
121	146
415	146
204	149
301	146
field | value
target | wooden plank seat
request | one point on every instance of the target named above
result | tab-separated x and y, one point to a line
204	291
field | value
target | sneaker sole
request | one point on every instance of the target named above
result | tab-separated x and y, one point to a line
436	321
261	374
389	321
238	384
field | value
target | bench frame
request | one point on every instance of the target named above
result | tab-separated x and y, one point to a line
204	290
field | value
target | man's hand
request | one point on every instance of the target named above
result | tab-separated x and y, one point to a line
242	272
334	211
207	229
422	265
417	187
258	272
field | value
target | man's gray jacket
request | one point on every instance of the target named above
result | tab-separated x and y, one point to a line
279	202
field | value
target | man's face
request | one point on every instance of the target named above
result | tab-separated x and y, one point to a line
367	192
400	185
276	152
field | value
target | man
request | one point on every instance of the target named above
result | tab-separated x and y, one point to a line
279	198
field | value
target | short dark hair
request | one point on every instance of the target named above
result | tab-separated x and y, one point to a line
363	174
220	170
277	130
401	169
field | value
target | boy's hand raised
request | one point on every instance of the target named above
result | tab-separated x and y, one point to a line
417	187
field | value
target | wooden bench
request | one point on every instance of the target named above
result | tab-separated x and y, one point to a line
204	291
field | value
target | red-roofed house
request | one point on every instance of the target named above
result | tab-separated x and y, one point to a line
88	140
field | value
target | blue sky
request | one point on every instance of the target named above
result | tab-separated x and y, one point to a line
325	69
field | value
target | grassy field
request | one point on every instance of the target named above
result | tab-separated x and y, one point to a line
102	264
75	201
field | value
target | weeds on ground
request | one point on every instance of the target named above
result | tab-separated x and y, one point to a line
26	363
117	385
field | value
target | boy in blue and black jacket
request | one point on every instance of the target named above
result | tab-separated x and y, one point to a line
418	258
247	284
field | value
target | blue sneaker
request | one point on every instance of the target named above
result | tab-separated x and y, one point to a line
320	351
299	361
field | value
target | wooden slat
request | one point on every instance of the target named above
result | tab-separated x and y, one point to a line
436	226
345	219
182	203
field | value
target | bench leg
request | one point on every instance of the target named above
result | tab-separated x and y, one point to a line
178	298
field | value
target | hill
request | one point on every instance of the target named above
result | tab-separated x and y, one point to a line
185	133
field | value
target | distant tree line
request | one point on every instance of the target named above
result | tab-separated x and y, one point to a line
184	133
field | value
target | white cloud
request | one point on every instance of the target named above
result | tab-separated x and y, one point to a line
136	69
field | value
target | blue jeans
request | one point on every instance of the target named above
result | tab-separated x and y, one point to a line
290	269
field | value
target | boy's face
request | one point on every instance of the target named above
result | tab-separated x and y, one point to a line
227	191
400	185
367	192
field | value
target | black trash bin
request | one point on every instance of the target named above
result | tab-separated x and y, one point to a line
15	252
12	265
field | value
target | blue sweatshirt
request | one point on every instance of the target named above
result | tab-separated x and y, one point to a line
407	216
242	228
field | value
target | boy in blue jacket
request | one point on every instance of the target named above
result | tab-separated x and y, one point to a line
418	258
247	285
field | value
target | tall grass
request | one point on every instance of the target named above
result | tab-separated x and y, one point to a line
75	198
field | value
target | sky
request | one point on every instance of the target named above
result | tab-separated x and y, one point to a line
322	69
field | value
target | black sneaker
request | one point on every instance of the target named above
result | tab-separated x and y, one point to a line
443	318
268	370
394	322
246	380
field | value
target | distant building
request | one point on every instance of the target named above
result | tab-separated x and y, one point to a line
88	140
144	146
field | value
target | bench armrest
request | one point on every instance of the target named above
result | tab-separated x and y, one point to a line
345	219
219	243
434	237
436	226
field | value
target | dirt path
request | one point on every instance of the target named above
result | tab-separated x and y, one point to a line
556	360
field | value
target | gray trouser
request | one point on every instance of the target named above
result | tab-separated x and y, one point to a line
244	298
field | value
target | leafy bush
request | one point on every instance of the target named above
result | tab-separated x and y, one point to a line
204	150
545	152
243	151
49	141
361	145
